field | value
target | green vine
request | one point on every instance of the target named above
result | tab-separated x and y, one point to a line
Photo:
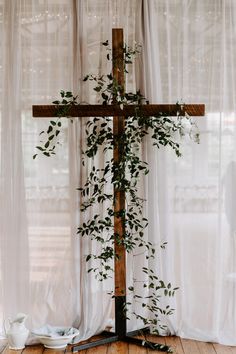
122	175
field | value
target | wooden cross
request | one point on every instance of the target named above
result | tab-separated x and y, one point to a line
119	195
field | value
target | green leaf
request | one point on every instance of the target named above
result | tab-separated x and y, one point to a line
97	88
86	78
88	257
106	43
50	128
46	154
104	96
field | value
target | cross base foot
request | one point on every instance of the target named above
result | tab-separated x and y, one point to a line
147	344
110	337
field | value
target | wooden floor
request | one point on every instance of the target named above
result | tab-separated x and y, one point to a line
179	346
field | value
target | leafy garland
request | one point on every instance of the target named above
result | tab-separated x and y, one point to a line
123	175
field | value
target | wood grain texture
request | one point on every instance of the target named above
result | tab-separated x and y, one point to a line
134	349
34	349
53	351
190	346
101	349
10	351
155	339
175	344
206	348
233	350
118	348
98	350
119	195
3	345
222	349
179	346
46	111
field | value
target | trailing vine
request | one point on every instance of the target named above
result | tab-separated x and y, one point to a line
122	175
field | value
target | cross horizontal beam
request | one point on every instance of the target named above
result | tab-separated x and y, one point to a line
115	110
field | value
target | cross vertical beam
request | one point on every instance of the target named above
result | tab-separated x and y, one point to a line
119	193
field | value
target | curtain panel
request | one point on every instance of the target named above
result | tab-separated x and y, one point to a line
46	47
190	46
188	54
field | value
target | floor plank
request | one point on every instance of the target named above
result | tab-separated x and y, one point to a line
222	349
179	346
190	346
34	349
175	344
206	348
155	339
118	348
10	351
51	351
3	344
135	349
101	349
233	350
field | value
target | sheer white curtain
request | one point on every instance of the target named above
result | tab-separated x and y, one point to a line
35	230
190	48
45	47
189	54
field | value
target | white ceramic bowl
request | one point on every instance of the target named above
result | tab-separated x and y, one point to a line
55	337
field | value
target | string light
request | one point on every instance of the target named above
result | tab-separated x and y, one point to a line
46	15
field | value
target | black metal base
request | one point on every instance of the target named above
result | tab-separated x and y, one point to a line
121	333
110	337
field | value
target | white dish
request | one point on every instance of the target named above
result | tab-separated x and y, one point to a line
55	337
55	346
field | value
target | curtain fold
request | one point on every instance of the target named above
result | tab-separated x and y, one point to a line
47	47
188	54
193	42
13	219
